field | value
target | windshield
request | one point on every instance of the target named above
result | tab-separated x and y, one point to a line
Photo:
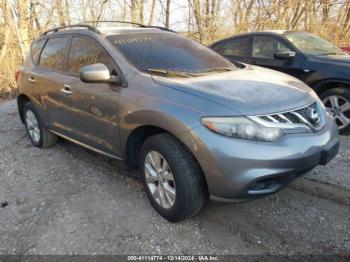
169	54
312	44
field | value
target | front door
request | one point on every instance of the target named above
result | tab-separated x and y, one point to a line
263	54
91	110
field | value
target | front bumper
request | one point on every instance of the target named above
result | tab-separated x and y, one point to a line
236	168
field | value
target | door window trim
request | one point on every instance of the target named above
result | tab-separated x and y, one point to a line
67	48
64	65
42	48
249	47
115	65
278	38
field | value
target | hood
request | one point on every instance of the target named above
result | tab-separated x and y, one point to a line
336	59
249	91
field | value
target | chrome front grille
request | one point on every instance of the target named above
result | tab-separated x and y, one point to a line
310	116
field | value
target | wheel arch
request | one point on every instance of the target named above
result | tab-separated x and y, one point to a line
21	101
328	84
135	140
140	124
139	135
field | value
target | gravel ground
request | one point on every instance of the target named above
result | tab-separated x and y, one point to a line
67	200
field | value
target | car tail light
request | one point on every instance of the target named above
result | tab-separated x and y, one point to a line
16	74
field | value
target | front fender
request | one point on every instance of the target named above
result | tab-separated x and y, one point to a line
169	122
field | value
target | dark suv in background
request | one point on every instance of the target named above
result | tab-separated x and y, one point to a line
315	61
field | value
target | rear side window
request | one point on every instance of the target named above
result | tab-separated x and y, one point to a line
266	47
36	49
84	52
234	47
52	56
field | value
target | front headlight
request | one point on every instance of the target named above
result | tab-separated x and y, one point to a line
242	127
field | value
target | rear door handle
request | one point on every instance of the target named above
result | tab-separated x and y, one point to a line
66	90
31	79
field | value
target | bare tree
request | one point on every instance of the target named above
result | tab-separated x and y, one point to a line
23	19
60	14
151	16
7	28
133	11
66	11
167	13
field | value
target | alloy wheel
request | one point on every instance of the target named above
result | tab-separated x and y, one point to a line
160	180
339	108
32	126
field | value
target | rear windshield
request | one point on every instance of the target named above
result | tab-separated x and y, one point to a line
168	51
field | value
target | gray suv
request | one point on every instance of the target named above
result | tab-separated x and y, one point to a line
195	125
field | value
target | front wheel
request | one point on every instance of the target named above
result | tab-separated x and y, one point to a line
173	179
337	103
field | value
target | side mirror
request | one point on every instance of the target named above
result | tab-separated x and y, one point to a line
285	54
98	73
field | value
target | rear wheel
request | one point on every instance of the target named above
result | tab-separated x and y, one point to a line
337	103
173	179
38	134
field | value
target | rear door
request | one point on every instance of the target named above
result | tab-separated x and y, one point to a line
235	49
49	78
29	78
263	54
90	109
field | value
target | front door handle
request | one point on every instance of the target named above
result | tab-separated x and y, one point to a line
31	79
66	90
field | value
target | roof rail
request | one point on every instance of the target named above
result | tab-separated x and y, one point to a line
95	22
130	23
93	28
56	29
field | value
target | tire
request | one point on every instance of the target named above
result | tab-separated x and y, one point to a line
188	182
337	103
45	138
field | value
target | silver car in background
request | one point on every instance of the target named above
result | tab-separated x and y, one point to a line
195	125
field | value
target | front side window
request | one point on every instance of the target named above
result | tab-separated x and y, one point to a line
150	52
312	44
36	49
234	47
84	52
266	47
52	56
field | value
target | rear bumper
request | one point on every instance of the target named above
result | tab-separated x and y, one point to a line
236	169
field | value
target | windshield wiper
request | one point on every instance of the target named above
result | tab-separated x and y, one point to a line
333	53
169	72
186	74
217	69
